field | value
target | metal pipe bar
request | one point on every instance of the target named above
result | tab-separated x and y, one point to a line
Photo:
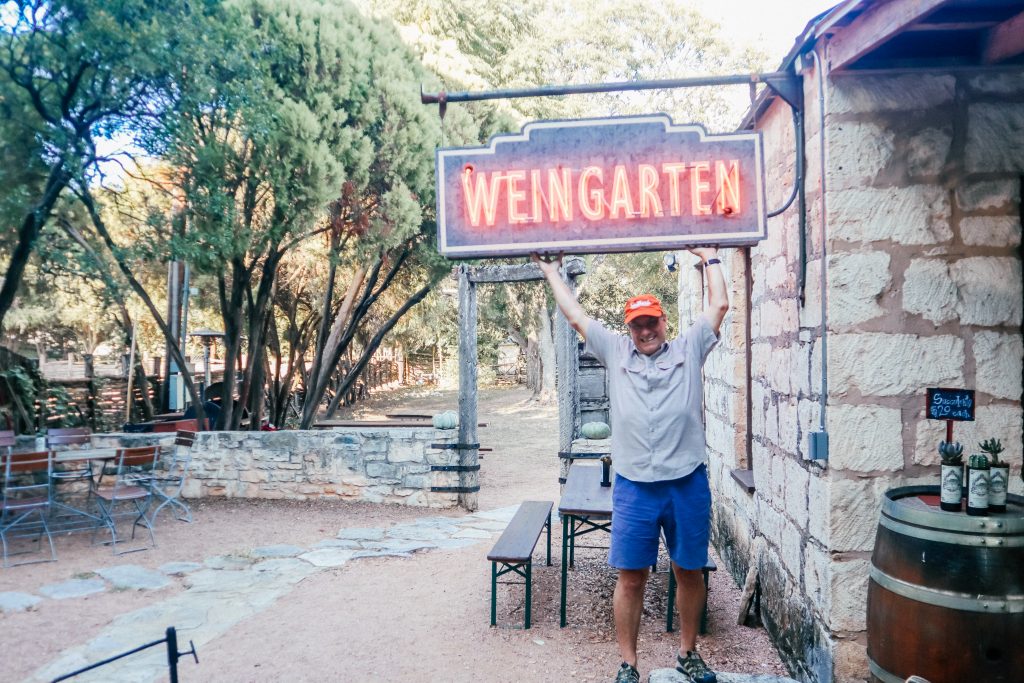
587	88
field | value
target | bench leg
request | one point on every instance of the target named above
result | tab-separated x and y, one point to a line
548	524
494	593
704	612
565	554
529	590
672	602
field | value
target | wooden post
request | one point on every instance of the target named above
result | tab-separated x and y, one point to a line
467	389
567	382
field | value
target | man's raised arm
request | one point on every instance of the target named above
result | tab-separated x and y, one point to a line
565	299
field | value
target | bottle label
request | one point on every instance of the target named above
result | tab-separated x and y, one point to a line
952	484
997	486
977	489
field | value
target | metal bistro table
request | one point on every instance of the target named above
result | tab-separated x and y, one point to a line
71	456
585	507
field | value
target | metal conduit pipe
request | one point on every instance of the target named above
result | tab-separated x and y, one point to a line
819	440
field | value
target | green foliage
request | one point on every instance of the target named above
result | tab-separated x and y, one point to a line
951	453
992	447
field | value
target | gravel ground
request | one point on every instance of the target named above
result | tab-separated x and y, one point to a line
418	618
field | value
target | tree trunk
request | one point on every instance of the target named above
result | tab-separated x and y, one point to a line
533	366
29	233
546	343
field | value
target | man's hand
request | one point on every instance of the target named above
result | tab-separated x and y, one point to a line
549	265
704	253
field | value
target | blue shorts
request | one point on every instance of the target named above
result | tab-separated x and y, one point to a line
641	510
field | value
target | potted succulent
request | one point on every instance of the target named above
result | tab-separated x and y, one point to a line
999	475
951	481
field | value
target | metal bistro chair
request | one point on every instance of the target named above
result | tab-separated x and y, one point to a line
25	495
167	484
128	488
68	438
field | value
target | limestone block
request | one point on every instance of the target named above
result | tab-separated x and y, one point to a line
788	425
810	312
991	231
807	413
801	369
926	152
881	364
994	138
819	507
762	468
873	94
988	194
380	470
998	83
918	214
858	151
854	513
929	290
771	319
760	359
769	523
998	359
407	452
989	290
865	438
849	595
779	371
850	657
778	490
791	549
818	577
797	480
778	275
254	476
856	281
772	423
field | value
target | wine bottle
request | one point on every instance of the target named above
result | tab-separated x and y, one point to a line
977	485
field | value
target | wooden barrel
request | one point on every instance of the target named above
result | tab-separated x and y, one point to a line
946	592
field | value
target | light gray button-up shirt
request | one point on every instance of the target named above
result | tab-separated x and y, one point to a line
656	401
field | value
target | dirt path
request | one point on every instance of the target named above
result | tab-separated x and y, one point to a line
417	618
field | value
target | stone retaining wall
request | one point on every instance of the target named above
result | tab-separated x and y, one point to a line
369	464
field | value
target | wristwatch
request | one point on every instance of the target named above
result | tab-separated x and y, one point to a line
711	262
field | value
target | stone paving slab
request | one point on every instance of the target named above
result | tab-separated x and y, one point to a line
17	602
281	550
327	557
485	524
134	577
73	588
180	568
673	676
335	543
417	533
358	534
283	564
229	562
399	545
472	533
499	515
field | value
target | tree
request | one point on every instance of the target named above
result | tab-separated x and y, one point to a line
71	70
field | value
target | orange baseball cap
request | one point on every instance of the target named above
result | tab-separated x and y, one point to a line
645	304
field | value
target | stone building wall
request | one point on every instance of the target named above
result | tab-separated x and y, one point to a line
373	465
923	289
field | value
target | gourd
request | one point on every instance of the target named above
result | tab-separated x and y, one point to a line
595	430
449	419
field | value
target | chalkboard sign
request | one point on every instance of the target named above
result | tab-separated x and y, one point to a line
951	404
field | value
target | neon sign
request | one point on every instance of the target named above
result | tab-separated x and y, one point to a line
600	185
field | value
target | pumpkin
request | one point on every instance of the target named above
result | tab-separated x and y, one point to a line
595	430
449	419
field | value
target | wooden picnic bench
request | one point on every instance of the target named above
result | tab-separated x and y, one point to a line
514	550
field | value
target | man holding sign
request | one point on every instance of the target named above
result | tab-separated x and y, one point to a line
658	450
